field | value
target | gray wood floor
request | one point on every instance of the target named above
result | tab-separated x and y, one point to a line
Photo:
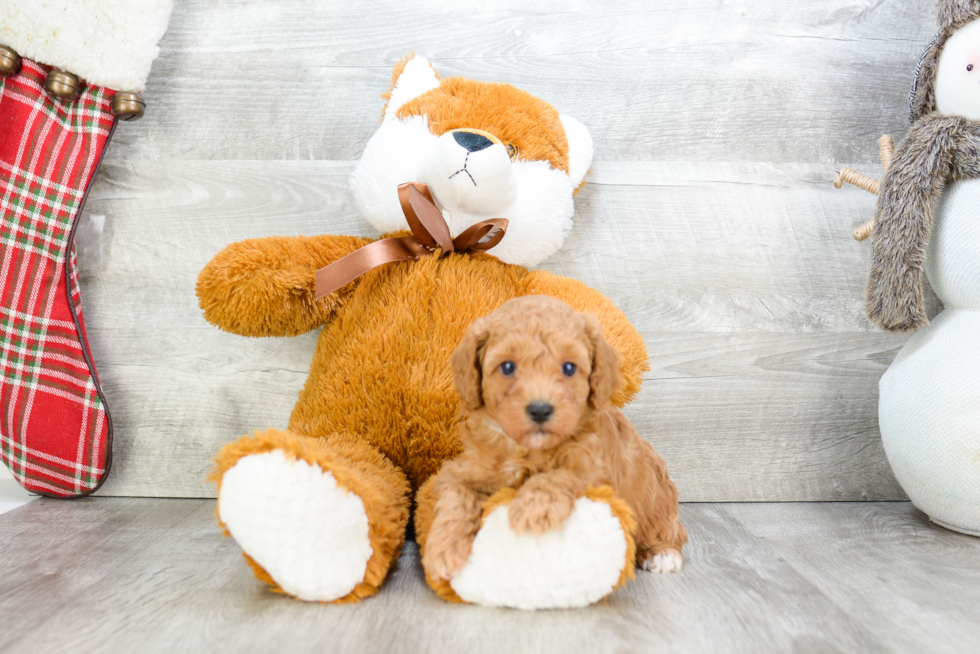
12	495
709	216
155	575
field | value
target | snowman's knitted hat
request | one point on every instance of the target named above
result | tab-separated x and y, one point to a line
953	14
957	12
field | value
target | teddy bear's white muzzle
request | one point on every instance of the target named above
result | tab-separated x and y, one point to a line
470	174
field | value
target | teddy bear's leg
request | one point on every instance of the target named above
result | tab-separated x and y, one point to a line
321	519
588	557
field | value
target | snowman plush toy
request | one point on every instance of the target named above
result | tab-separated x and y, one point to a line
927	219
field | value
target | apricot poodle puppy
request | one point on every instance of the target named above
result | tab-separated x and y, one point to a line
535	379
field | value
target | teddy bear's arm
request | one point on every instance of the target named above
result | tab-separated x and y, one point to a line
616	327
266	286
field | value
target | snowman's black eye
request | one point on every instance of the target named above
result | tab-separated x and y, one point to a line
969	67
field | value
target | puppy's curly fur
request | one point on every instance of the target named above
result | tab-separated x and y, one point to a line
535	378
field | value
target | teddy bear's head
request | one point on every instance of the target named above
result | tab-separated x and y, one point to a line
485	150
947	79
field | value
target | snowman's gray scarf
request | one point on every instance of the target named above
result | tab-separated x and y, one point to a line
936	150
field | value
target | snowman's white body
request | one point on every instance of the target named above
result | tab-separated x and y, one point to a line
929	407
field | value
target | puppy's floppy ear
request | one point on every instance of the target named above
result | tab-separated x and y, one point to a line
604	379
467	364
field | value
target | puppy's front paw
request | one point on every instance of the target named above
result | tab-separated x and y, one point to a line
669	560
446	553
538	510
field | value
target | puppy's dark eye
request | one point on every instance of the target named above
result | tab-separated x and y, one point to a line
508	368
969	67
568	368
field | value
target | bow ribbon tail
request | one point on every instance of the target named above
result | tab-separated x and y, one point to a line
429	233
481	236
345	270
423	217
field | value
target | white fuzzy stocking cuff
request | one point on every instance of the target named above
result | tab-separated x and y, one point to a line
109	43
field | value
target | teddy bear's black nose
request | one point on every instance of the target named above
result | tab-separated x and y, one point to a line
472	141
540	411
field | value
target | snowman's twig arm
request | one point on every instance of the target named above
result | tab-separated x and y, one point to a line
860	180
886	146
266	286
903	219
864	231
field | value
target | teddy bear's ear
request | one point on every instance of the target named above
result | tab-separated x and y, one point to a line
579	149
411	79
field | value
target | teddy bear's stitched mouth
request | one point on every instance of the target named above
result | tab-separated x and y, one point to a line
464	170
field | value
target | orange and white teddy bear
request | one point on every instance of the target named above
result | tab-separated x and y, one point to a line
321	509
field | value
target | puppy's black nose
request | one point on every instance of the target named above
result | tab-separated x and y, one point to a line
472	141
540	411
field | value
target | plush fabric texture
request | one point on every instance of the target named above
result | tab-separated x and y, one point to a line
619	508
953	14
380	371
553	153
579	150
957	82
929	413
506	570
926	219
929	407
109	43
55	433
411	77
952	262
380	392
558	359
574	566
351	465
937	150
512	115
266	503
381	366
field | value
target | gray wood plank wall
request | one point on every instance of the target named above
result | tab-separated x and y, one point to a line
709	217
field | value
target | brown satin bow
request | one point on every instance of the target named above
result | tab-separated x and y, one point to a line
429	233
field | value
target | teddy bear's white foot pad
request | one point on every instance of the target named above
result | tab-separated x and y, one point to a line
573	566
292	518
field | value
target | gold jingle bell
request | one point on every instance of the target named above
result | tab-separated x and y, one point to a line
62	85
128	106
9	62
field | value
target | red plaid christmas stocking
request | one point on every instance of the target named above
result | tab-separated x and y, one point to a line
55	433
